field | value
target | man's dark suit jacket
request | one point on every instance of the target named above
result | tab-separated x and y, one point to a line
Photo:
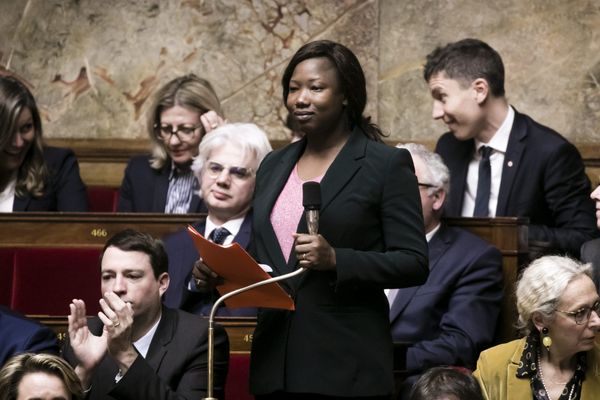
337	342
590	253
144	189
543	178
175	367
64	190
21	335
182	256
452	317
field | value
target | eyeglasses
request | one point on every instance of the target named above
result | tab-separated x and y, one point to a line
214	170
183	132
582	316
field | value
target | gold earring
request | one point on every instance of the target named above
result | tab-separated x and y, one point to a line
546	340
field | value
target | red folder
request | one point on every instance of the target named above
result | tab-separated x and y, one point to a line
238	269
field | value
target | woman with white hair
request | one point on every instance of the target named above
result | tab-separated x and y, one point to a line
225	168
559	357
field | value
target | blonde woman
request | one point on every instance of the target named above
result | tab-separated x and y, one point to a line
184	110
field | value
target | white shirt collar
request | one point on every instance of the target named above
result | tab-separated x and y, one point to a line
143	344
7	196
233	226
499	141
432	232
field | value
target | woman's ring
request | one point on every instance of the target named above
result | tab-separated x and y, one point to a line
115	324
304	256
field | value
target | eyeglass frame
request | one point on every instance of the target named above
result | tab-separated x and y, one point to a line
231	171
175	130
595	308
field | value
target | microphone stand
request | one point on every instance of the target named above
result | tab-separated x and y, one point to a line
312	222
211	333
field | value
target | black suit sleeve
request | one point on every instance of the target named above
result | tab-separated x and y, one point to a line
404	260
468	325
141	382
125	203
43	340
66	184
566	191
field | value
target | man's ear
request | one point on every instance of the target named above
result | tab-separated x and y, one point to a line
481	90
163	282
440	197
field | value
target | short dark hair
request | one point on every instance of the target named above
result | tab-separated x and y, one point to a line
439	382
351	76
467	60
133	240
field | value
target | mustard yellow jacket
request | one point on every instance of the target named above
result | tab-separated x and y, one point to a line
497	369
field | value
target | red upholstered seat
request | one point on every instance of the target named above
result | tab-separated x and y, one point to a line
45	280
237	386
103	199
7	262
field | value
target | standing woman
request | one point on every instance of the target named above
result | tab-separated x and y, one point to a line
184	110
337	341
33	177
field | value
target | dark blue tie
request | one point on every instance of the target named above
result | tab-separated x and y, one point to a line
218	235
484	183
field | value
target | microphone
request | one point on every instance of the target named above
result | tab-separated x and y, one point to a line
311	200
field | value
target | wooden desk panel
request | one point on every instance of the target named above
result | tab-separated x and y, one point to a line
29	229
239	330
79	229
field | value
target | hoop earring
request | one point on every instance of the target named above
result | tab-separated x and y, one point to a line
546	340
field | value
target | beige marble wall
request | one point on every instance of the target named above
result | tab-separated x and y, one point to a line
550	48
94	64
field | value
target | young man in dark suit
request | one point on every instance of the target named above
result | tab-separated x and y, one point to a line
502	162
137	348
452	317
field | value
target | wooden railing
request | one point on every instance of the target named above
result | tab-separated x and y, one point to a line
239	330
46	229
23	230
102	161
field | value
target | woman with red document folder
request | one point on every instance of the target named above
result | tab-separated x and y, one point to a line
337	342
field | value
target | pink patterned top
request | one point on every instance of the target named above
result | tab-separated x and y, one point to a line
287	211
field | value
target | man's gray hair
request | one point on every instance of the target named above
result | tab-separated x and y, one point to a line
436	172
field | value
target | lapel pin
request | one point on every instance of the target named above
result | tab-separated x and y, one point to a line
510	163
